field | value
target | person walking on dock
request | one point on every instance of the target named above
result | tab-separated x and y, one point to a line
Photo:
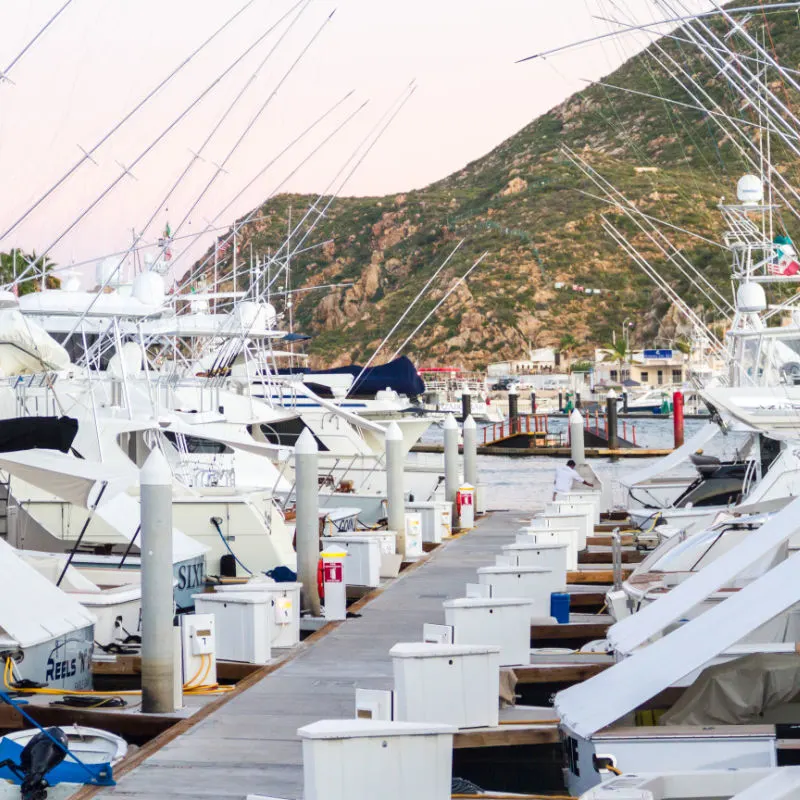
565	475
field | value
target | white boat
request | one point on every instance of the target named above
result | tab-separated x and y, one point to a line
90	745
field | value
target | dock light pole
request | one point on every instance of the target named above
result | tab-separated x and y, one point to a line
395	497
307	521
513	404
450	458
576	437
611	418
158	641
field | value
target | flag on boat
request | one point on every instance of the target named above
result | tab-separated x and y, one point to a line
786	257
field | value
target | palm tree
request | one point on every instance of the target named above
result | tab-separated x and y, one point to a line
567	343
620	353
683	346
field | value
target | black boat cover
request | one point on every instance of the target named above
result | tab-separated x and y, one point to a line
400	375
31	433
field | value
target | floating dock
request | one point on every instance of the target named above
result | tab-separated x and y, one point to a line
245	742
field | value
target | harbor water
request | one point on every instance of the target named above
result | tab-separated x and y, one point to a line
525	483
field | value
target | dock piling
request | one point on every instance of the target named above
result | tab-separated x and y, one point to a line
677	418
513	405
611	420
576	437
394	485
560	402
533	402
466	404
450	459
307	521
158	658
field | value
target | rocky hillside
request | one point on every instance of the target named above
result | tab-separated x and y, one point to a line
524	203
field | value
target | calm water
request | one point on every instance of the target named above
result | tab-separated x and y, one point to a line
525	483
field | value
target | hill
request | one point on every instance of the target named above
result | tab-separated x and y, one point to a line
523	202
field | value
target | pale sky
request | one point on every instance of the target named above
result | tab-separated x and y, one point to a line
100	57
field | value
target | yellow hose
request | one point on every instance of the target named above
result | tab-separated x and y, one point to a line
199	689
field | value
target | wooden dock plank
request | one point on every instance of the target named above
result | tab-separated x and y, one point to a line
594	576
557	673
507	736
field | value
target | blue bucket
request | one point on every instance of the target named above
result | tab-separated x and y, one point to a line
559	607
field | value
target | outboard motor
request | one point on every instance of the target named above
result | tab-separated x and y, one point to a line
43	752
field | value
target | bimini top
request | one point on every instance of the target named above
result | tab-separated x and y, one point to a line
594	704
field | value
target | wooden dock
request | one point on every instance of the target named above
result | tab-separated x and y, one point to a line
556	452
246	742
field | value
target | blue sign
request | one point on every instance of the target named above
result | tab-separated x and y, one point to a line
658	353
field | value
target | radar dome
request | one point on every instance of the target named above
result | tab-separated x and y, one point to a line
148	288
105	270
750	297
750	190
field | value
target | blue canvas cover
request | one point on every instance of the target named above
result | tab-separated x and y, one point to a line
400	375
68	771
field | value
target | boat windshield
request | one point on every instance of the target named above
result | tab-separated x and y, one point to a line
767	359
694	553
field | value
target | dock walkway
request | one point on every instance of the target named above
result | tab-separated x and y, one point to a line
249	744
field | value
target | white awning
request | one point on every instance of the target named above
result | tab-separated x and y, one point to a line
597	702
72	479
123	514
33	610
633	631
635	476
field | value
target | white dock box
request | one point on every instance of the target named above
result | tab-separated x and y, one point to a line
364	759
387	544
534	583
362	567
504	621
552	555
565	515
588	496
284	608
241	621
436	520
455	684
567	536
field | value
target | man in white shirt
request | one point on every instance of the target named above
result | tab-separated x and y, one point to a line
565	475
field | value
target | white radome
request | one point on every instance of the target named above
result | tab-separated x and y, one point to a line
750	190
750	297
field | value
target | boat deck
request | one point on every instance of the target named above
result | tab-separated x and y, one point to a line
248	744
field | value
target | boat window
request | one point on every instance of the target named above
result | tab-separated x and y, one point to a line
284	432
196	444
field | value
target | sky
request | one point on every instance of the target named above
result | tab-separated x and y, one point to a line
99	58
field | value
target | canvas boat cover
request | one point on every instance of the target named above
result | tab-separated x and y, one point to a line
739	691
33	610
400	375
122	512
599	701
37	433
633	631
73	479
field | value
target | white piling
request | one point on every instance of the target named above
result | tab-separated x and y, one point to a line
158	658
307	520
470	451
450	458
576	437
394	485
